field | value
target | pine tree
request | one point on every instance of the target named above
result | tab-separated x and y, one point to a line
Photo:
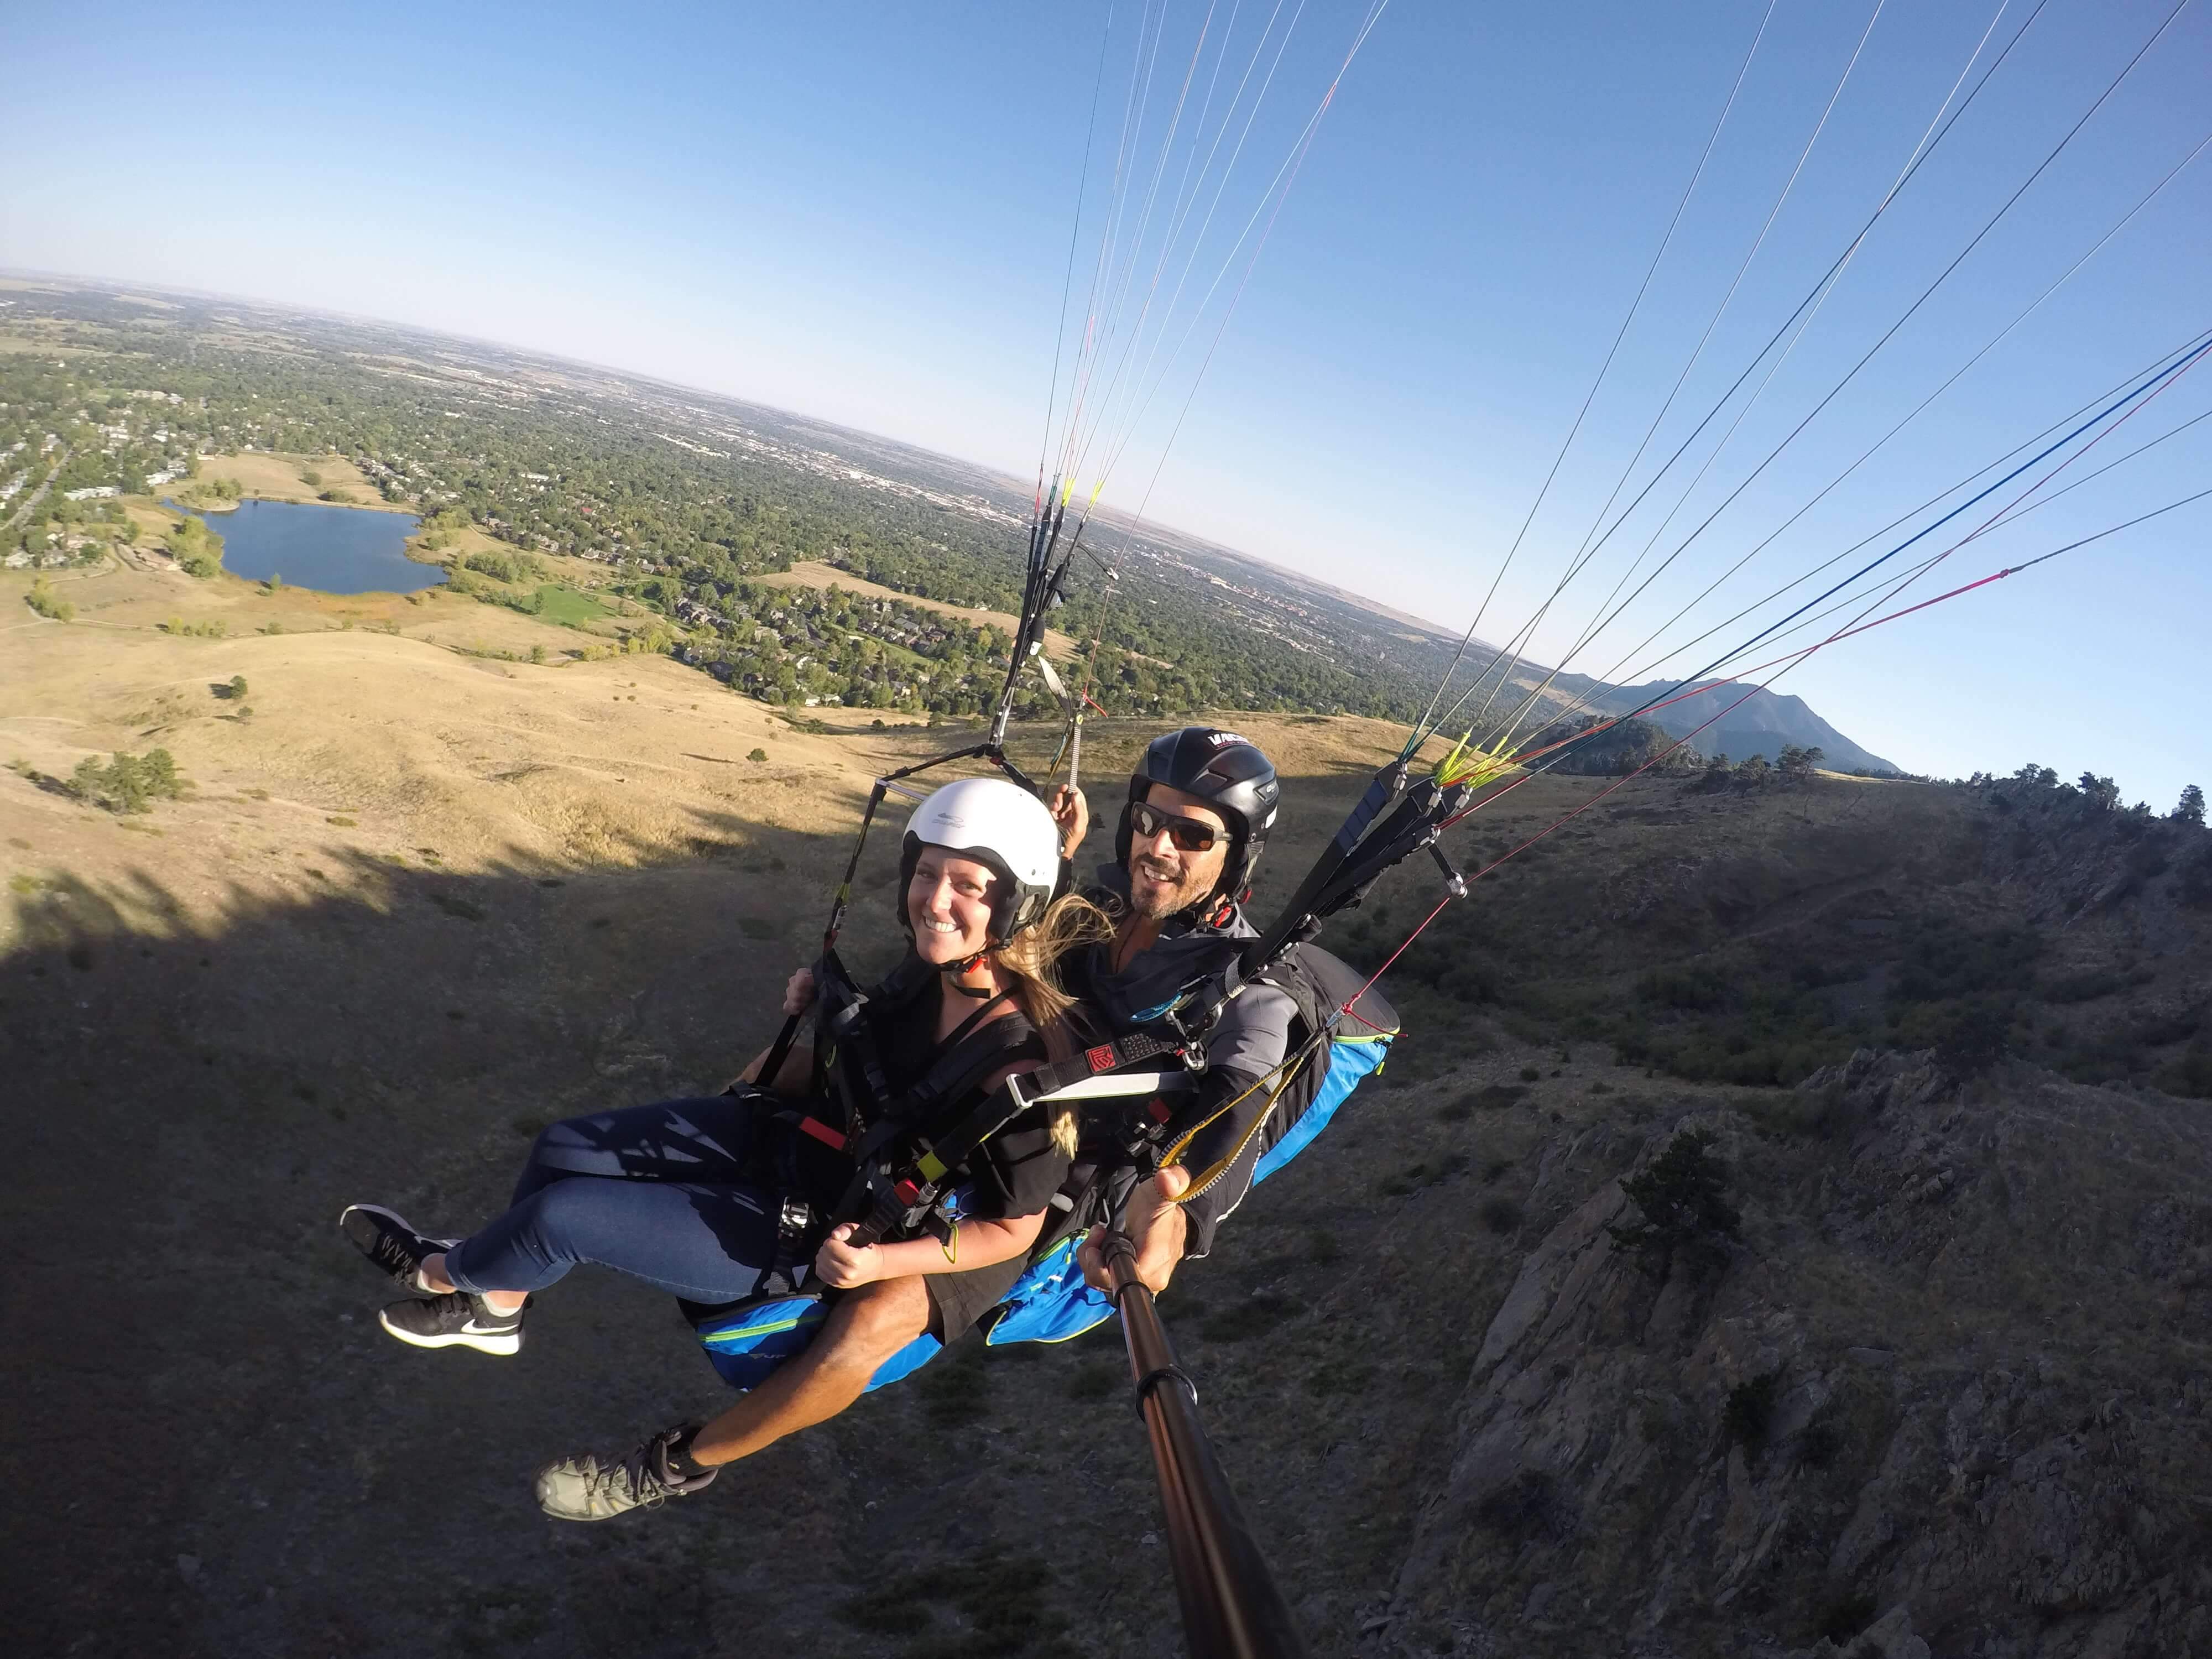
2191	809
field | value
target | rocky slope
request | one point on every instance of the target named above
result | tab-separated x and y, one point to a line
1949	1393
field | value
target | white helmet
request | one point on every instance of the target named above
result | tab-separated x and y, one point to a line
996	824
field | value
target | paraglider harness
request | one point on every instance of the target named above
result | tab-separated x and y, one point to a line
903	1165
893	1162
1341	1033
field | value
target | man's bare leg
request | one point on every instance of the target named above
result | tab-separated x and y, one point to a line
866	1327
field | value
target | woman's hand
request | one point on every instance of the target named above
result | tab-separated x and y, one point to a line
798	993
841	1265
1073	814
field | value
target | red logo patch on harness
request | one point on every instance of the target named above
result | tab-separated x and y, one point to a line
1100	1057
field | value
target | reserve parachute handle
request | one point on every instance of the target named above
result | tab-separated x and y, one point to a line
1232	1606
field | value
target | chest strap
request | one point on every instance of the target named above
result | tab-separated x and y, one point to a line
901	1202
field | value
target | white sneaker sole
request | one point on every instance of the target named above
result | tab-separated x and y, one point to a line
502	1343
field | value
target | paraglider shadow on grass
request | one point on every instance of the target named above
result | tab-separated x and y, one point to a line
197	1087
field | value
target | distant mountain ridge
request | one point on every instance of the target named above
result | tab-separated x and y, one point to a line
1762	725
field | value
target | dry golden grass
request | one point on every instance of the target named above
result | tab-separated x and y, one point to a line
278	478
422	743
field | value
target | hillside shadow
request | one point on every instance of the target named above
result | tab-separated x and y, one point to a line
199	1082
196	1086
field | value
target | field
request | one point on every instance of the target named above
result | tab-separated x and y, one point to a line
566	606
810	573
272	478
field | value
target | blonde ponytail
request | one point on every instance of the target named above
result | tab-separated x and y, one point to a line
1031	959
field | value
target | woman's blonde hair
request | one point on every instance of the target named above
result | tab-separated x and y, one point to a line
1031	959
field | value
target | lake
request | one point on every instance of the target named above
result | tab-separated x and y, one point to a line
331	549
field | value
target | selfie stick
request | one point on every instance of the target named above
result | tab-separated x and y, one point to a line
1230	1606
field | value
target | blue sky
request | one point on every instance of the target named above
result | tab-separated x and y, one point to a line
865	213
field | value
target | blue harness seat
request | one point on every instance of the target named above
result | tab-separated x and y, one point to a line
1050	1302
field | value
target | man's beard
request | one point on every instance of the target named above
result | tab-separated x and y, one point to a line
1165	896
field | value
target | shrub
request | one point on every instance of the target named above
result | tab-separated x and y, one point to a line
196	550
1821	1444
44	600
1530	1505
1492	1099
2195	885
1339	1374
2190	1076
1256	1315
1501	1215
506	567
1096	1381
128	783
758	755
1683	1197
1975	1038
1749	1413
955	1393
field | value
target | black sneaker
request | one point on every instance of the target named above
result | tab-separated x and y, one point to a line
390	1243
459	1318
585	1489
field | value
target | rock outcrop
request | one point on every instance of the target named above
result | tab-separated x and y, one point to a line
1949	1393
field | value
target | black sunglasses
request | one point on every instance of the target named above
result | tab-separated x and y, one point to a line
1188	834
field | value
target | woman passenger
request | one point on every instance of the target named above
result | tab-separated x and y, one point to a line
689	1195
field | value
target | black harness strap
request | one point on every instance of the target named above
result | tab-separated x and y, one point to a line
903	1202
877	1200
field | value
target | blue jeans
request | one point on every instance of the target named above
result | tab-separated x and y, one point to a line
657	1192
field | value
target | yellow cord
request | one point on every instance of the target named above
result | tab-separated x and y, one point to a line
1287	1069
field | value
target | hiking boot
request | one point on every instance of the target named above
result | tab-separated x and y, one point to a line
390	1243
585	1489
458	1319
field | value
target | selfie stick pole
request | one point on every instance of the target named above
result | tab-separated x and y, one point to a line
1230	1606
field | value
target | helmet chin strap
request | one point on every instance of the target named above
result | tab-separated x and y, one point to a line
953	970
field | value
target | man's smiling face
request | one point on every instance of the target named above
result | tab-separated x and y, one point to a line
1163	878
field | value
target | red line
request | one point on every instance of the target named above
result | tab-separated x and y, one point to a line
1395	954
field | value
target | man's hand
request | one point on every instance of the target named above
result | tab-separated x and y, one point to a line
1156	1227
841	1265
1073	814
798	993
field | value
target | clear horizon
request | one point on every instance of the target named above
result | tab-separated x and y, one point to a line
866	222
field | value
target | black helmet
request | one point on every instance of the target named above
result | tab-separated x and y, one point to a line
1230	775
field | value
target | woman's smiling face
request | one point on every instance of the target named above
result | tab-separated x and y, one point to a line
948	903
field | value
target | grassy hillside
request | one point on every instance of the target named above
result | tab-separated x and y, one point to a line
420	902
